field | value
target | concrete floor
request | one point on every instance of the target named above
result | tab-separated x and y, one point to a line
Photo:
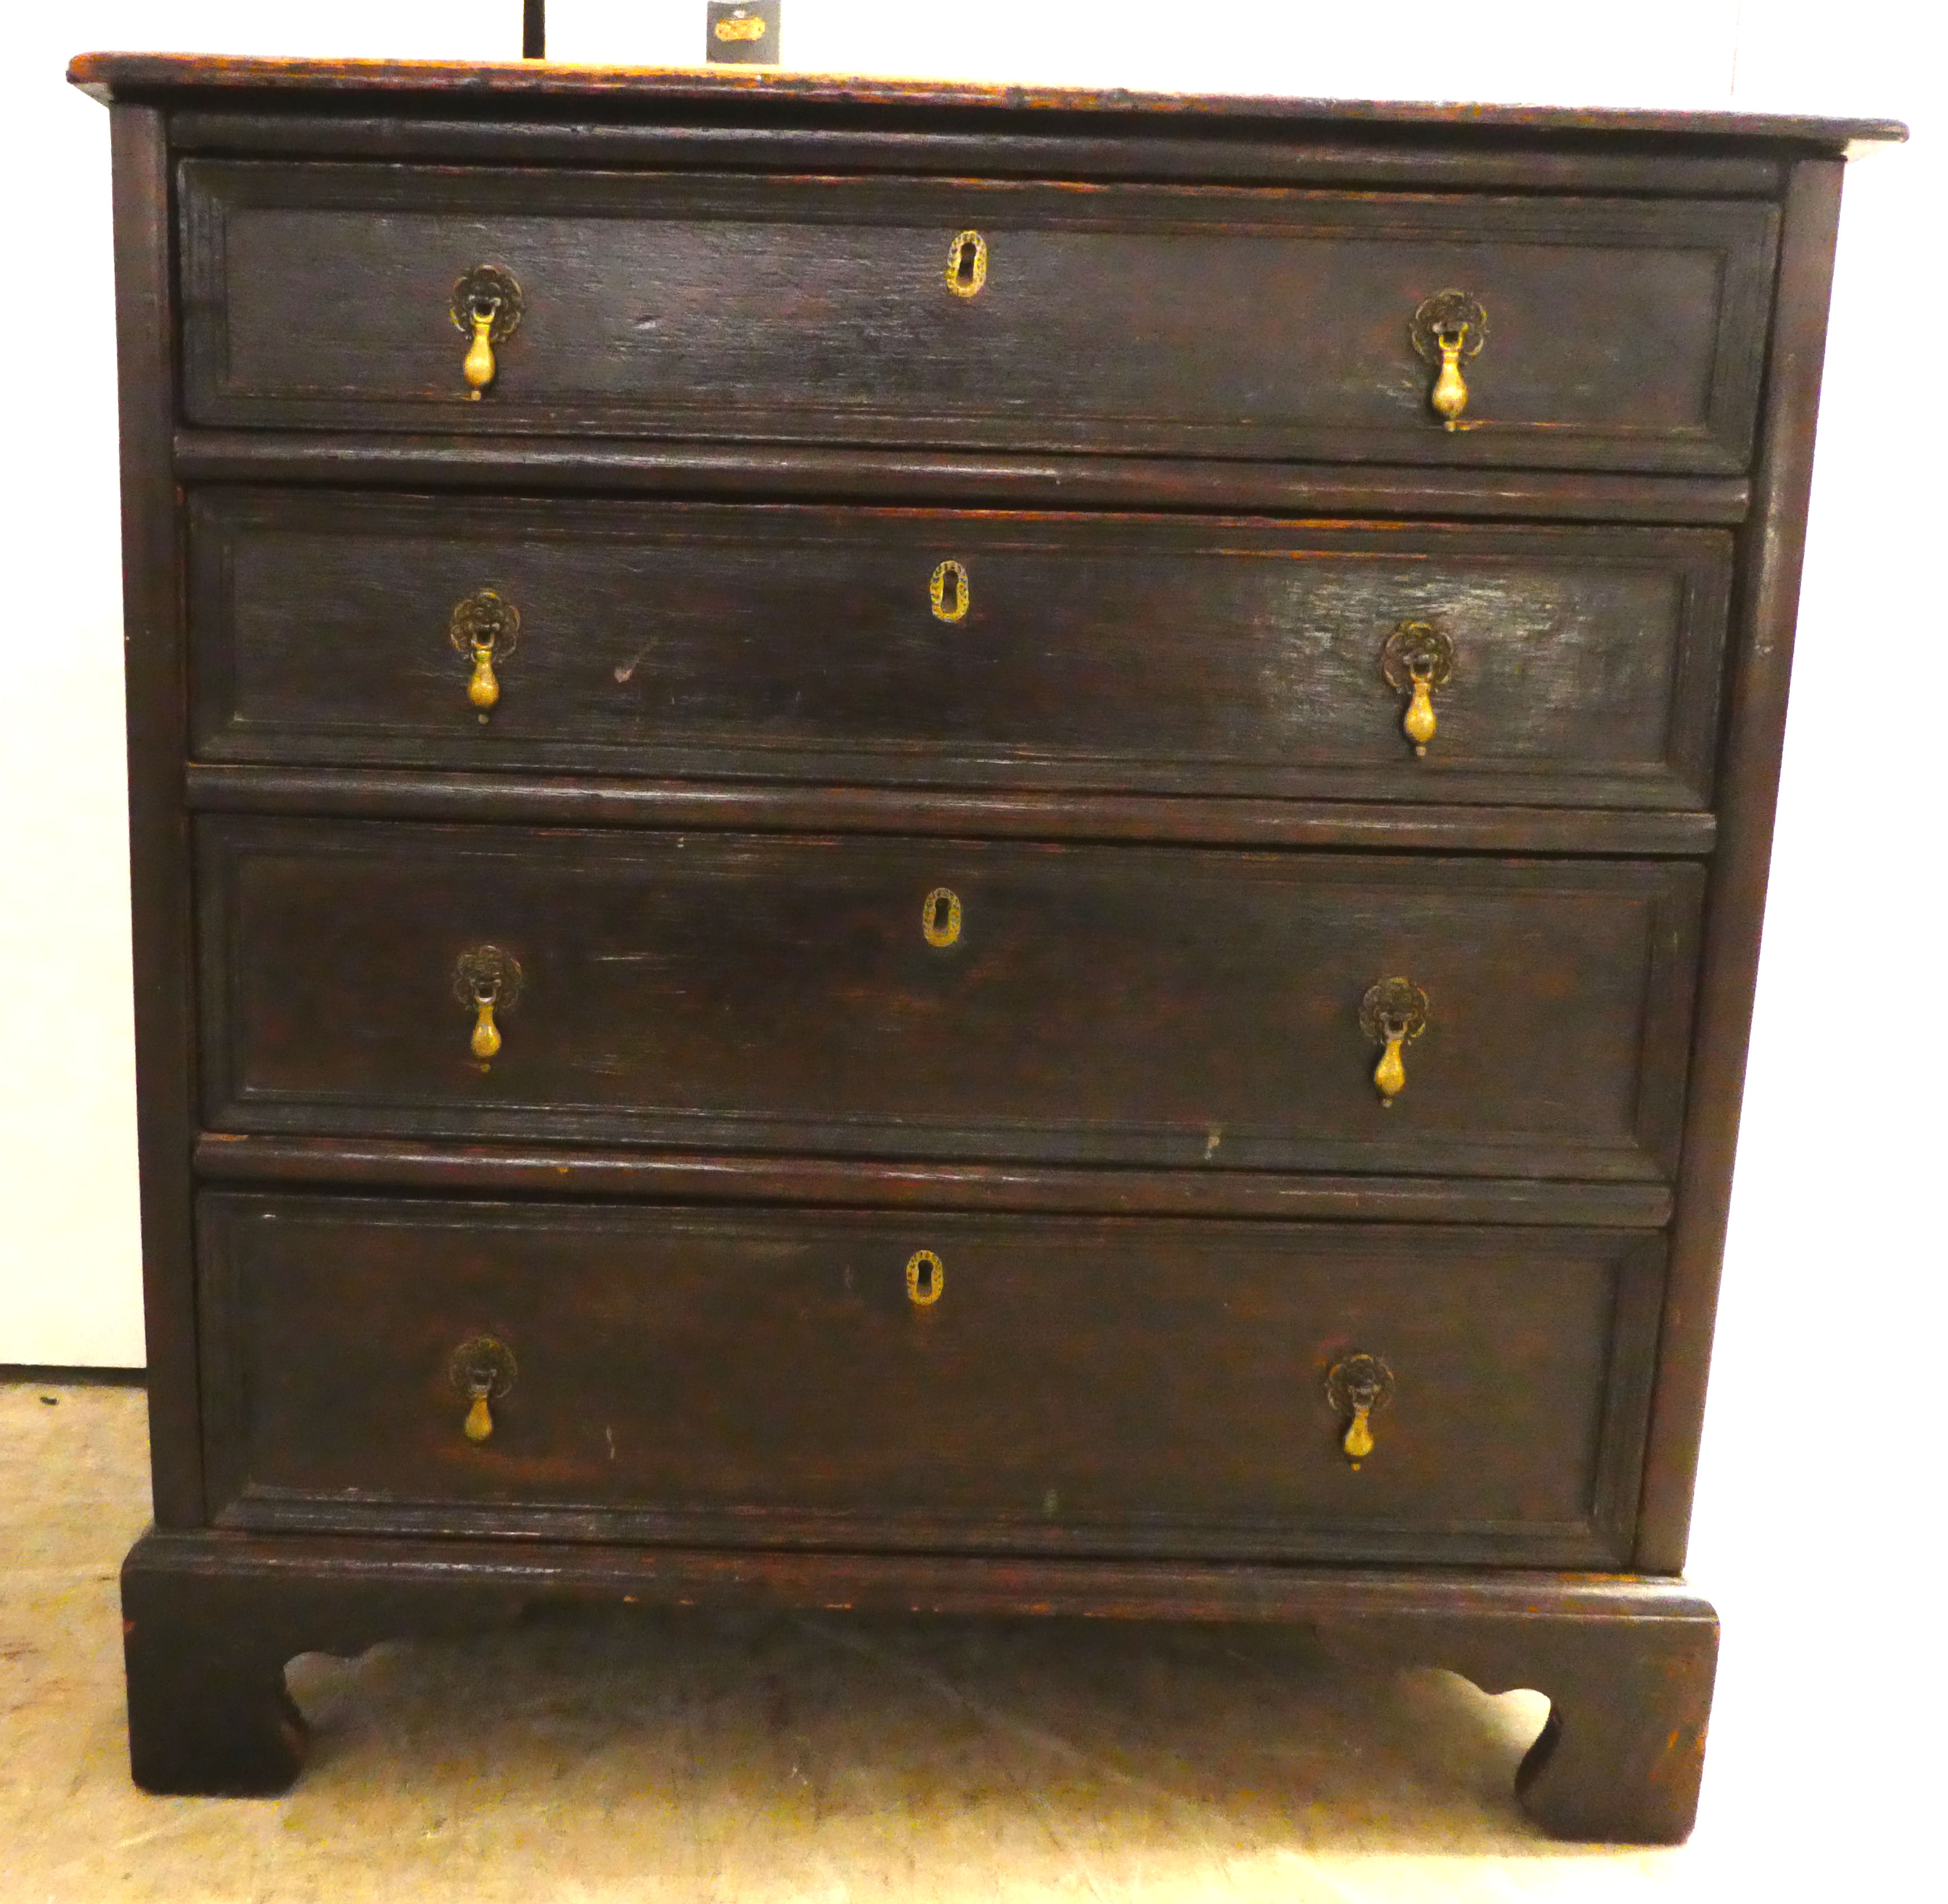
821	1760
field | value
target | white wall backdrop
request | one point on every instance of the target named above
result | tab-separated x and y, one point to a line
1819	1445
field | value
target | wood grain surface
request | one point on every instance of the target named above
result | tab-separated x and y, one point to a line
1120	319
1119	653
1102	1004
1077	1386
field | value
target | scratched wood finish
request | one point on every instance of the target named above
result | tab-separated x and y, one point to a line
1194	320
1103	1004
1195	307
1119	653
683	94
1063	1394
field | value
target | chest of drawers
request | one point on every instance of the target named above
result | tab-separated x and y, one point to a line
934	848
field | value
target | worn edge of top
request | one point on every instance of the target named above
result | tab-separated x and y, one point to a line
112	75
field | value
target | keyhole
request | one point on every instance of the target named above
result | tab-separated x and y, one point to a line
948	592
940	916
967	264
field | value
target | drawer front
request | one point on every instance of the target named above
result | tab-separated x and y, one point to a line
1616	334
945	998
1142	654
1077	1384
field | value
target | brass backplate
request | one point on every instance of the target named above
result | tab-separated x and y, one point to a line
482	1366
488	288
485	619
1449	313
487	972
1416	648
1394	1008
1357	1382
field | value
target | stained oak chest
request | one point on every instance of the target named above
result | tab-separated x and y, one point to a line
946	848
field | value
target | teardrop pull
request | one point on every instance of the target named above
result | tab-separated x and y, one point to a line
1450	391
480	1423
1358	1441
483	690
481	1370
486	1040
487	981
1392	1014
1390	1073
1358	1388
1419	722
479	366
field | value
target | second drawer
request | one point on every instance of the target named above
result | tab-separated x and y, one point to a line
1570	666
924	998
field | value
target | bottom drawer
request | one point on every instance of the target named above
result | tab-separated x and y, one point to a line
781	1377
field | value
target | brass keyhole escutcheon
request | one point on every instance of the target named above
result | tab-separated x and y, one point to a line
481	1370
487	980
1449	327
1393	1014
940	916
926	1277
1358	1387
949	593
967	264
1416	658
486	309
484	628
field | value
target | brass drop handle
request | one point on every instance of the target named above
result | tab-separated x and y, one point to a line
1358	1387
486	310
1416	659
484	628
486	980
485	1042
477	366
1451	325
482	1371
1393	1014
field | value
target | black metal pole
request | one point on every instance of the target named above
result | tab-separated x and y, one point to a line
534	29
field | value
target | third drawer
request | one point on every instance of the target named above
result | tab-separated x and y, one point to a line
1575	666
947	998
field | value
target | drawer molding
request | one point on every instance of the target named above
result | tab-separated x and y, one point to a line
592	800
478	1170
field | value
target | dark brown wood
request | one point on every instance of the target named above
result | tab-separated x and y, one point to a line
800	644
1627	1664
1396	161
158	825
590	800
1057	1397
110	72
554	465
376	1163
1131	1105
1756	728
1121	319
752	992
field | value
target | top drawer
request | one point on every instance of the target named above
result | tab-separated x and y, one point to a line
1128	319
